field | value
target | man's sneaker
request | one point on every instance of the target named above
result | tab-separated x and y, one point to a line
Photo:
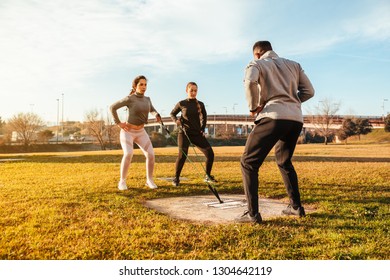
210	179
247	218
300	211
175	182
151	184
122	185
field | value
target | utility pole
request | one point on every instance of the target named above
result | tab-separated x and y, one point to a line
62	129
225	119
214	124
234	114
383	108
234	108
58	116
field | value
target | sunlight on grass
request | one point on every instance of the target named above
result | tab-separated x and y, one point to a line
67	206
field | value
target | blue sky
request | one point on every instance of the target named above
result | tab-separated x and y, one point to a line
90	51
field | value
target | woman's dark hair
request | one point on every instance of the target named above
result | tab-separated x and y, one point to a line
262	45
135	83
191	84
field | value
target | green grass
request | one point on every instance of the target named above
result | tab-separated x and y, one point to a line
67	206
378	135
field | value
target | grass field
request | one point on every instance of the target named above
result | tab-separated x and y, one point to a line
67	206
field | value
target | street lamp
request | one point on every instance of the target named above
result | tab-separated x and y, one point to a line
58	115
225	118
234	108
62	128
234	114
214	123
383	107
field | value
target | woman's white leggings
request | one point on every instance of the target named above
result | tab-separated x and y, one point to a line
141	138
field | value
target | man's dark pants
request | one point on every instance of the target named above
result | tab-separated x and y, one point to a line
283	134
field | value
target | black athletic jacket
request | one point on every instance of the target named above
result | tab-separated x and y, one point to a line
193	115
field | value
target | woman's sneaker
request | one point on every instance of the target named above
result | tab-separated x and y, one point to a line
151	184
300	211
175	182
210	179
122	185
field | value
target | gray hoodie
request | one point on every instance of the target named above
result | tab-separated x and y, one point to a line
279	84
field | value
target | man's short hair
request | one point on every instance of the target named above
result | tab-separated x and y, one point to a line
262	45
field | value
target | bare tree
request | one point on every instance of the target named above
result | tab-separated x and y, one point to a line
26	126
112	131
45	135
323	119
2	125
95	126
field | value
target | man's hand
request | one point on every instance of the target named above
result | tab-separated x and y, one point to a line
258	110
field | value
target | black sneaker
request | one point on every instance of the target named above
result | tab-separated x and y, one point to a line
210	179
300	211
175	182
247	218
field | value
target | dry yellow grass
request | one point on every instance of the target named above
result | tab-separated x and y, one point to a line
67	206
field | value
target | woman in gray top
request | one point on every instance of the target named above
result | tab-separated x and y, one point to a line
132	131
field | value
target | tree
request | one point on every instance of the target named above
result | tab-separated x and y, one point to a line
2	138
112	131
95	126
45	135
387	123
2	123
354	126
157	139
323	119
363	127
348	128
26	125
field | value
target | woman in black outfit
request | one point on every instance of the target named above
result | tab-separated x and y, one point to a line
193	120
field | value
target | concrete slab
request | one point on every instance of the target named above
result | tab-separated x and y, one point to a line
11	159
207	209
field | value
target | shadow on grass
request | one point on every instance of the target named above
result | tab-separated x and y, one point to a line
172	158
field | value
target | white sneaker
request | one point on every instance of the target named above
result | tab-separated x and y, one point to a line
151	184
122	185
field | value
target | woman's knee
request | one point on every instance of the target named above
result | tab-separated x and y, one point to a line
128	155
150	155
210	153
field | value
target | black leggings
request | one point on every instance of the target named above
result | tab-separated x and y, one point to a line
201	143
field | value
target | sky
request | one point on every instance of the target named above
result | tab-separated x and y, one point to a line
81	56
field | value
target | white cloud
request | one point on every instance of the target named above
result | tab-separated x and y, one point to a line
79	38
374	24
47	46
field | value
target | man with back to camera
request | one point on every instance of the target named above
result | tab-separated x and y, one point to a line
275	87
